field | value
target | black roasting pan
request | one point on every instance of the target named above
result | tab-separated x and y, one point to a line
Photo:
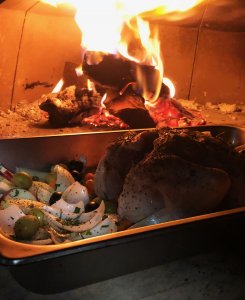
57	268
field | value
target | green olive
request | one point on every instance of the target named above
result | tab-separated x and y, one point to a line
22	180
38	214
25	227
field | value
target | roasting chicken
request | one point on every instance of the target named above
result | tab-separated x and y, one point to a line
184	172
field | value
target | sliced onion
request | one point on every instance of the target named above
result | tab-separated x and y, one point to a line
56	237
61	214
76	193
25	205
68	207
18	193
96	217
106	226
8	217
64	178
36	185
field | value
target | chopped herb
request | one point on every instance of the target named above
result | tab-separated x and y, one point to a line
16	193
12	218
77	210
57	185
71	222
88	232
104	226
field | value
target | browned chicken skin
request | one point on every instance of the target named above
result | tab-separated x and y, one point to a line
119	159
186	172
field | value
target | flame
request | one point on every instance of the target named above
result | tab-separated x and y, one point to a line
58	86
103	101
117	27
90	85
170	85
79	71
101	22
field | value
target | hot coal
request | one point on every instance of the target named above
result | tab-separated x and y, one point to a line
64	106
76	106
169	112
130	108
105	119
115	77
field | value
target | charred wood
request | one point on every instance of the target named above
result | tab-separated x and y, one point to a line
62	107
130	108
110	71
115	72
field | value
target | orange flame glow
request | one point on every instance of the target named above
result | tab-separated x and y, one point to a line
79	71
58	86
90	85
170	85
117	27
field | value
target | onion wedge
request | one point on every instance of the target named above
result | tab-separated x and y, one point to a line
25	205
96	217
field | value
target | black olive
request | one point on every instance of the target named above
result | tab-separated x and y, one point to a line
92	205
55	197
97	200
76	175
76	165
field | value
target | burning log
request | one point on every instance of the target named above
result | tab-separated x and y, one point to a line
115	72
116	78
108	70
62	107
130	108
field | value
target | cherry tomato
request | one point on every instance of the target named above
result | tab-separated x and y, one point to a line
90	186
88	176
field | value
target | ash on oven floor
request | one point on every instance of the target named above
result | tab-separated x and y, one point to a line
26	119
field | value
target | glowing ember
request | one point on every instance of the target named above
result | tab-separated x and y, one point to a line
168	112
105	119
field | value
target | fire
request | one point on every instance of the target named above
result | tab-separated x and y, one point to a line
170	85
58	86
79	71
117	27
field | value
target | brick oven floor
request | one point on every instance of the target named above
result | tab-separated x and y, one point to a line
29	120
210	276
